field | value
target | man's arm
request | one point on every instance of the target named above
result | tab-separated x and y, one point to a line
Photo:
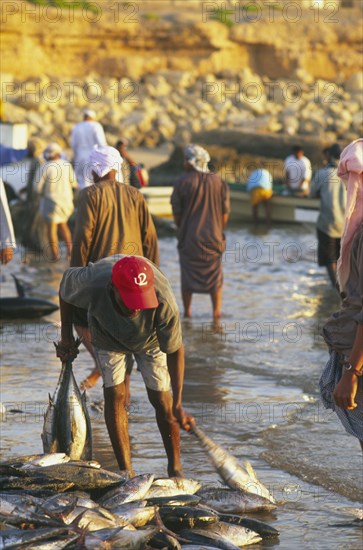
83	233
149	237
66	347
100	137
176	204
315	185
226	203
175	362
177	219
346	389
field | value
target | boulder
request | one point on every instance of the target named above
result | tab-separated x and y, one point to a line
35	119
357	123
157	86
178	79
166	127
290	124
13	113
354	84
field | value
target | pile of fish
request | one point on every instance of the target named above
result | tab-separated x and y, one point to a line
51	502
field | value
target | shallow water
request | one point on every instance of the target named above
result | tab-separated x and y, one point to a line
252	388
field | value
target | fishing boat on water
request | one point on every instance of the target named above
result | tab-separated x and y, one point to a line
285	209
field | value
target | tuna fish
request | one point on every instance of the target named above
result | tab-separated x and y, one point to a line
136	512
21	307
67	426
228	501
263	529
201	536
164	541
232	473
83	475
240	536
186	517
135	489
12	538
126	539
172	487
177	500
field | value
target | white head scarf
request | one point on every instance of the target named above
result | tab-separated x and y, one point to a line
105	159
197	157
350	170
90	113
52	150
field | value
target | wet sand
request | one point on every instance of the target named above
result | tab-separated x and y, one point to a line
253	388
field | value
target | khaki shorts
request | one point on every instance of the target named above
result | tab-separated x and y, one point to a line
152	365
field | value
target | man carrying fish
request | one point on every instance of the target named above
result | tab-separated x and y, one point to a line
131	309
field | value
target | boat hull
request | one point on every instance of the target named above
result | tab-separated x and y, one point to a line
283	209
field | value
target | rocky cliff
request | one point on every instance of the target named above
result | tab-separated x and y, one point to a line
130	40
160	71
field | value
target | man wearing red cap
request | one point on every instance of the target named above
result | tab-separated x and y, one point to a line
131	309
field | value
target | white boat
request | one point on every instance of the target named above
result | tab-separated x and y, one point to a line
288	209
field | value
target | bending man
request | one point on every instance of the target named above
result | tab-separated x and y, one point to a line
131	309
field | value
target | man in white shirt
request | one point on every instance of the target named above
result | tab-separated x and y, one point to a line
297	170
85	135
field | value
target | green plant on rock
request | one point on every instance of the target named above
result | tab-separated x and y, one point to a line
78	4
224	16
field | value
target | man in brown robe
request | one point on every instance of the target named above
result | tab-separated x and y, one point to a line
112	218
200	203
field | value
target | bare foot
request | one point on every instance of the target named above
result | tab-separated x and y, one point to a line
175	472
217	325
91	380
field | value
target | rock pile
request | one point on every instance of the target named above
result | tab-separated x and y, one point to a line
169	105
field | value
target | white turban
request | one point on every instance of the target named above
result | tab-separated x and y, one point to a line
90	113
197	157
52	150
105	159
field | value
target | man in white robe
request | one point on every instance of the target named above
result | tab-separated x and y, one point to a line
85	135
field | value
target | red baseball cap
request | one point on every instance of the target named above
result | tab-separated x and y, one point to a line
134	279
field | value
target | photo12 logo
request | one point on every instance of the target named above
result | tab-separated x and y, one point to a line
253	11
66	10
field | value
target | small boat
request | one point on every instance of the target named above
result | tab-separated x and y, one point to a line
284	209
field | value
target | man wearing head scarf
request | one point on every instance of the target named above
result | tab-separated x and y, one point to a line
341	383
85	135
55	187
112	218
331	190
200	203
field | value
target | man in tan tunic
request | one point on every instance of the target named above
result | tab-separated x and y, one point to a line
112	218
200	203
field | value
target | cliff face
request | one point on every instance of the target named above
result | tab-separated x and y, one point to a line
173	73
133	41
